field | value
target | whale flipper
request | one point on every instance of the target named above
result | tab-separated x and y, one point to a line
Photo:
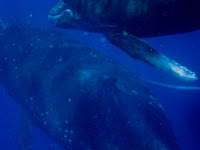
138	49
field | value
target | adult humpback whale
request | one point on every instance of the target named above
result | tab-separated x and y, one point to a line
79	97
122	21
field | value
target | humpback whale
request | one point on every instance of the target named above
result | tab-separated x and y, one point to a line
123	22
79	97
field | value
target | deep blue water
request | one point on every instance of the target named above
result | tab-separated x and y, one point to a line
182	107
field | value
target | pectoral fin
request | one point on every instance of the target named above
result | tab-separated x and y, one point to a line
138	49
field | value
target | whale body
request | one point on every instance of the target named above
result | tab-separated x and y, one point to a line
142	18
79	97
123	22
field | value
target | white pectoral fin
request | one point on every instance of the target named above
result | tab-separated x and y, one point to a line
179	70
138	49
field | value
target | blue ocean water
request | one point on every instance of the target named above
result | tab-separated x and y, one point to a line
182	107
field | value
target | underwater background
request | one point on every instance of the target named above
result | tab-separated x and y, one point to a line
182	106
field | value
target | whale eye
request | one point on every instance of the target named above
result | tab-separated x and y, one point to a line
68	13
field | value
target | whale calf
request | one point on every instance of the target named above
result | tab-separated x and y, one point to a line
79	97
123	22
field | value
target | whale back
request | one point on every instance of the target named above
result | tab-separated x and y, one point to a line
79	97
